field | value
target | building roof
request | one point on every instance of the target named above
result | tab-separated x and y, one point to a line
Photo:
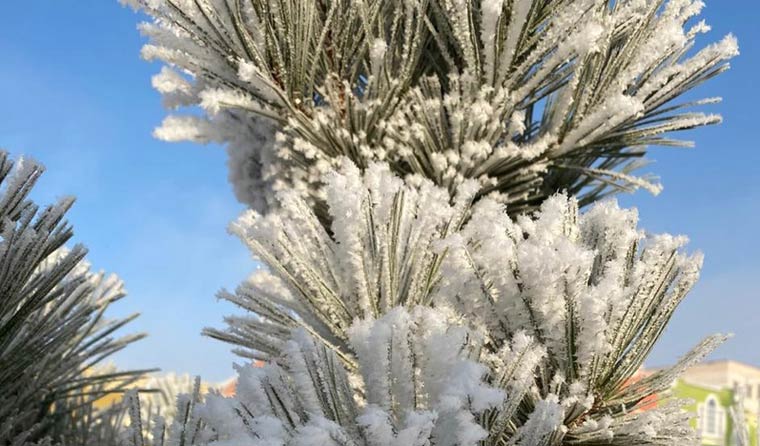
726	366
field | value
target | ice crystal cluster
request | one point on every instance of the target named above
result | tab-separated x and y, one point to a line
415	171
52	324
525	96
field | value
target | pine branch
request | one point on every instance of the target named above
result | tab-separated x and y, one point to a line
52	327
527	97
558	309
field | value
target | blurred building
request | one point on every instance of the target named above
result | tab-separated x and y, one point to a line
715	388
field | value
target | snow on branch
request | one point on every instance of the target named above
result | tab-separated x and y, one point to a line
54	335
526	97
556	310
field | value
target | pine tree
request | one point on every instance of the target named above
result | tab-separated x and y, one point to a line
53	330
416	171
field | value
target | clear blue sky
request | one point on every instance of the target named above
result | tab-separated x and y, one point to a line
75	95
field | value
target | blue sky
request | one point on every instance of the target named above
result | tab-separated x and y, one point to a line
75	95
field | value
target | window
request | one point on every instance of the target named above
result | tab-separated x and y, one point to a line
711	417
711	422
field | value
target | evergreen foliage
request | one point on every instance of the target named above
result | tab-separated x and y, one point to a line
416	170
416	321
529	97
53	330
589	294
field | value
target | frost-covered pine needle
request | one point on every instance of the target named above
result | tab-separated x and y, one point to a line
53	331
422	281
418	321
527	97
